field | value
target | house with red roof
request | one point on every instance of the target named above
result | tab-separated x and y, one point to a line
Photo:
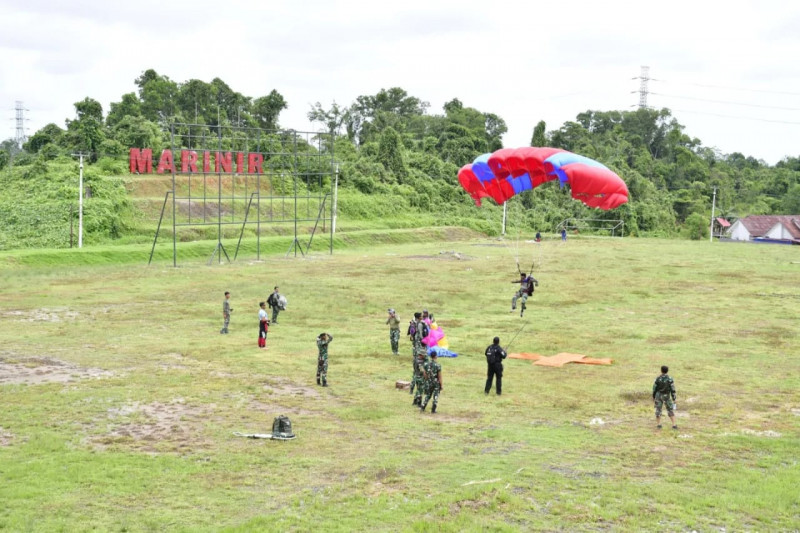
784	229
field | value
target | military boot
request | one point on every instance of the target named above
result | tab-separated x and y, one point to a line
422	408
433	409
318	382
324	383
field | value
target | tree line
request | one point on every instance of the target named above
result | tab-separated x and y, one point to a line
392	144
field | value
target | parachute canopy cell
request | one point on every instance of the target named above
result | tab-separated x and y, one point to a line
510	171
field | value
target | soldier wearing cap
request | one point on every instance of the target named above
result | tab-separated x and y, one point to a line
394	330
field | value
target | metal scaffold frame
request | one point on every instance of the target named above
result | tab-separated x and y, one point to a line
271	177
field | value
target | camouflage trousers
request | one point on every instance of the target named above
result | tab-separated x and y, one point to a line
418	380
275	312
519	294
431	389
661	399
394	338
322	369
225	321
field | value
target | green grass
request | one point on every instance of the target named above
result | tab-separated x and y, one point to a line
141	437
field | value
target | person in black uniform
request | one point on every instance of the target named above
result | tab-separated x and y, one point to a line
494	365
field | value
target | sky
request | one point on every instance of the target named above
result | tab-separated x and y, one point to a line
728	71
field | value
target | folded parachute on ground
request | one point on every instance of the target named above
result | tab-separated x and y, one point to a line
510	171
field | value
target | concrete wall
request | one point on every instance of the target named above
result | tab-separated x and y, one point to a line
739	232
778	231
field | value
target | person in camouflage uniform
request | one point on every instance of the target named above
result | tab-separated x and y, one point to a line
664	393
432	372
526	284
394	330
420	357
226	312
274	302
411	328
322	360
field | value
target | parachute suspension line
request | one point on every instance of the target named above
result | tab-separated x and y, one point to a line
517	232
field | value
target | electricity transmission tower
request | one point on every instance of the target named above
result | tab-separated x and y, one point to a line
20	136
643	78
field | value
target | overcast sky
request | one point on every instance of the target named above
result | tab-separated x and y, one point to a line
729	71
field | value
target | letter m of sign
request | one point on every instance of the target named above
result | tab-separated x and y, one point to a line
141	161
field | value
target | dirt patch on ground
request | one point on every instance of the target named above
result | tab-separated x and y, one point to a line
283	387
40	315
443	256
768	433
635	396
665	339
274	409
438	416
5	437
154	427
38	370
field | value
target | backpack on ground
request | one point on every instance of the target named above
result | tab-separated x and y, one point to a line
282	428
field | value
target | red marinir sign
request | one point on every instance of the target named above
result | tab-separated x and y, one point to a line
141	162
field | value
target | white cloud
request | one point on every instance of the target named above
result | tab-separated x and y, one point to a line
525	61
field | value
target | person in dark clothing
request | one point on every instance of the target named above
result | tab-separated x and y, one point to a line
494	365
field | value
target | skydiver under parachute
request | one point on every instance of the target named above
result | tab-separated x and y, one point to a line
526	285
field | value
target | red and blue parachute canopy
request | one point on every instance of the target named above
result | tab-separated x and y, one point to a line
509	171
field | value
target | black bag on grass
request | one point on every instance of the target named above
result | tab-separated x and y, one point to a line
282	428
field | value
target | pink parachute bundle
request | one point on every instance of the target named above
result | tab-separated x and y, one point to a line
510	171
436	336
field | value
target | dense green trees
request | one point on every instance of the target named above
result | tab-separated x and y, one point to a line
391	143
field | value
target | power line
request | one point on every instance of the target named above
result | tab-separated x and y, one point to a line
726	102
768	91
736	117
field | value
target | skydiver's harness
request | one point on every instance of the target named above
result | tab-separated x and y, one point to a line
528	281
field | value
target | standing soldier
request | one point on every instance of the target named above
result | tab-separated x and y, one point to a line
226	312
433	382
394	330
526	284
420	356
494	361
664	393
263	325
322	360
274	301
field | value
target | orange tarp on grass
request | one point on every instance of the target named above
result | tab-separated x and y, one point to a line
528	356
560	359
592	361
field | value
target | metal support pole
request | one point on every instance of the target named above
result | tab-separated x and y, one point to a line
158	229
713	204
503	232
174	203
80	199
334	211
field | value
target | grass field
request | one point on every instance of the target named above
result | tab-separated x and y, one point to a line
119	398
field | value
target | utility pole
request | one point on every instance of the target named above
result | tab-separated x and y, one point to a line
80	199
713	204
